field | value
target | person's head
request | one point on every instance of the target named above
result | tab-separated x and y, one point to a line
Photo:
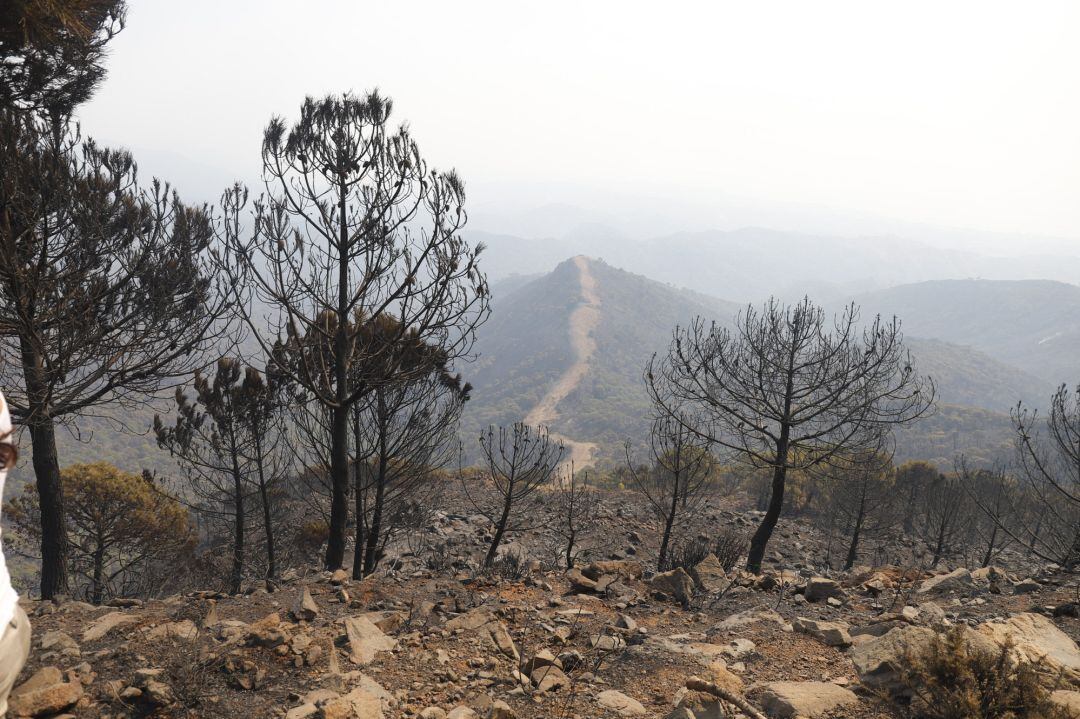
8	452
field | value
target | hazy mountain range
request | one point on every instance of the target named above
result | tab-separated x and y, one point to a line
752	263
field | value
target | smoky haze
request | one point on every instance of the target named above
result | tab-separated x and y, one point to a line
944	128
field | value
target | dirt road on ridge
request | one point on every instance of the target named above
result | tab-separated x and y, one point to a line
583	320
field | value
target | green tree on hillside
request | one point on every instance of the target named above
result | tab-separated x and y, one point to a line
127	535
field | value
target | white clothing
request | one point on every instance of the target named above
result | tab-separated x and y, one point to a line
8	598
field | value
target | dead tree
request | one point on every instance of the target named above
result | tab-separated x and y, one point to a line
1047	517
576	506
678	468
860	496
784	391
106	290
945	516
519	461
354	225
262	400
996	494
404	431
400	434
912	479
224	440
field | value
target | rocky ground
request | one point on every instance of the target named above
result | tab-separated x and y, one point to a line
431	637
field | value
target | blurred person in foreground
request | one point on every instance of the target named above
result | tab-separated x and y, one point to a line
14	624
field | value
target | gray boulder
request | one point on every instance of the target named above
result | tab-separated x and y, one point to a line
958	580
805	699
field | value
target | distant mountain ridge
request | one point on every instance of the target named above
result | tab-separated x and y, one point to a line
752	263
1033	325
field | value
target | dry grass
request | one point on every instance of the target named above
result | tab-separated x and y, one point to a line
951	679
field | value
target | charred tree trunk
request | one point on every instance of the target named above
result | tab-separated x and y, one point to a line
570	539
500	529
776	500
238	530
264	497
989	556
939	546
54	580
359	512
764	531
669	521
97	591
375	533
853	548
339	432
339	478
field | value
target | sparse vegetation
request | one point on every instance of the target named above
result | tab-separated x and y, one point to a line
952	679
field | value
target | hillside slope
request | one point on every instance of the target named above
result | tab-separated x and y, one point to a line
966	377
581	327
531	364
1033	325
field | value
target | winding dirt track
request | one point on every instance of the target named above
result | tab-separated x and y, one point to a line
583	320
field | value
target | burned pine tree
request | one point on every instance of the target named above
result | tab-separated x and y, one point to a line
404	431
107	292
786	391
518	460
912	479
577	505
671	481
353	223
401	433
994	494
1046	519
52	53
225	442
860	497
945	515
262	400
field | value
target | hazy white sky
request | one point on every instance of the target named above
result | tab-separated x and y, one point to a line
953	113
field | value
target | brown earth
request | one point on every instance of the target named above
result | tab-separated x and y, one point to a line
453	632
583	320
